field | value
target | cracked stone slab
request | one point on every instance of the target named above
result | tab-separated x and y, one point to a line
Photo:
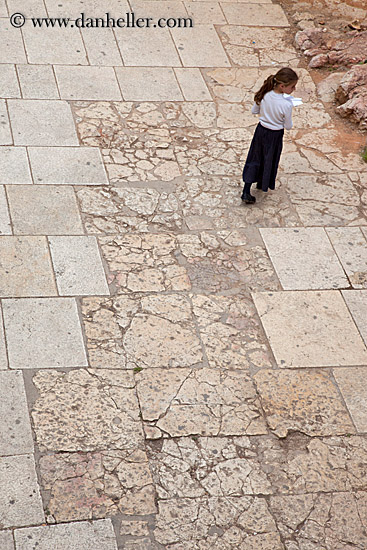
21	502
15	429
14	166
350	382
116	332
356	301
54	121
78	266
26	268
214	523
179	402
144	262
73	536
43	332
302	401
351	247
311	326
86	410
96	485
304	259
44	210
326	521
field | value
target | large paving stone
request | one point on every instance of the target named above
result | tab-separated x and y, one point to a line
86	411
204	13
87	83
44	210
3	354
33	8
304	258
92	8
304	329
5	133
78	266
148	84
36	122
15	429
26	267
101	47
72	536
20	503
357	303
74	165
351	247
43	332
6	540
9	86
14	165
147	47
255	15
308	402
54	45
5	225
11	44
37	82
200	46
353	389
192	84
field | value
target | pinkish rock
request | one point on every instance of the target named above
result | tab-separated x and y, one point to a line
352	94
318	61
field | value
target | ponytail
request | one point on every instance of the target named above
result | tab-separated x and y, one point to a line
283	76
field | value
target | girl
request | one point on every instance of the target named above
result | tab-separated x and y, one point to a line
266	146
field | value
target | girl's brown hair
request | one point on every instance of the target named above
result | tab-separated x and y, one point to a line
283	76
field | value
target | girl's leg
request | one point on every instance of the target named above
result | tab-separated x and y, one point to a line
246	195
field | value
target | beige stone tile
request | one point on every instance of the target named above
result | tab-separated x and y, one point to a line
5	226
43	332
351	247
6	540
53	45
78	266
148	84
304	258
159	8
36	122
3	9
32	8
14	165
302	401
101	47
15	431
84	417
182	402
21	502
3	355
11	44
91	8
9	86
44	210
87	83
311	324
37	82
26	267
200	47
192	85
80	535
256	15
64	165
147	48
204	13
352	386
357	303
5	133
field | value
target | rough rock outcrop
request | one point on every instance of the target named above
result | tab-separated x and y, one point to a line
352	94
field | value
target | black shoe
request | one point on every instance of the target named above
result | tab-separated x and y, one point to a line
258	186
248	199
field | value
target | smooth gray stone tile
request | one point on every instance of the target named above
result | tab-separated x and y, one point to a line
82	535
357	304
148	84
351	382
54	45
14	165
78	266
37	82
15	426
47	122
9	86
351	247
6	540
87	83
44	210
303	258
3	356
5	133
147	47
200	46
101	46
43	333
74	165
11	44
20	502
5	226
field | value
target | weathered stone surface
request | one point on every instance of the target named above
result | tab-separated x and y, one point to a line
356	301
86	411
350	382
326	88
352	94
206	402
351	248
307	402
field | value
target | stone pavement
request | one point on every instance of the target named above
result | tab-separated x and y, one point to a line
178	371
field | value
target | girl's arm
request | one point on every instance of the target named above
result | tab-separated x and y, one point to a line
255	109
288	124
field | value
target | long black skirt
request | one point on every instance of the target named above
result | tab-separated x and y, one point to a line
263	157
